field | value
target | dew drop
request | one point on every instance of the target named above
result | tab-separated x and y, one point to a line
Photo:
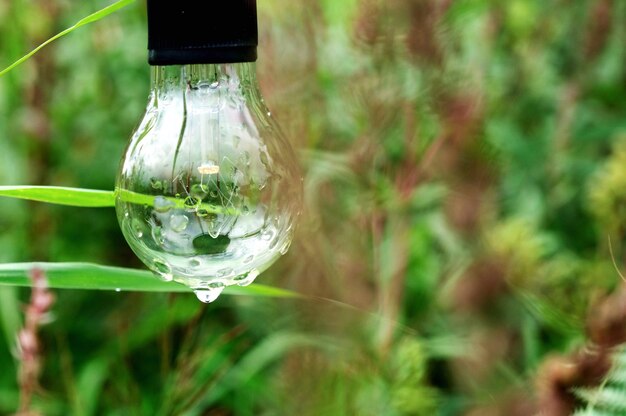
208	295
162	204
179	223
118	290
163	270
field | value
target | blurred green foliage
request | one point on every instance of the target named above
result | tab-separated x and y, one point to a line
464	167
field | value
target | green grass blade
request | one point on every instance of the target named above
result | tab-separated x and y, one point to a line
91	198
77	197
88	276
94	17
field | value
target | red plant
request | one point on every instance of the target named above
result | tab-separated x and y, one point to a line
29	351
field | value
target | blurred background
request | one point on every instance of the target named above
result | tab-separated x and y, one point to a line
465	188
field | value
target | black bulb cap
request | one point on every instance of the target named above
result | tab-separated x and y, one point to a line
182	32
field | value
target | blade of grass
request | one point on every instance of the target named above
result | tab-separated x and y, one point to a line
59	195
89	276
92	198
94	17
270	350
10	317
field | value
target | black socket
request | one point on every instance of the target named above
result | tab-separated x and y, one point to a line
184	32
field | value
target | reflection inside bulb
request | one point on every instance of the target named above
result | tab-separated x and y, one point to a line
208	190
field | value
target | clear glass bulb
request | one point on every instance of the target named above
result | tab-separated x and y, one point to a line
208	190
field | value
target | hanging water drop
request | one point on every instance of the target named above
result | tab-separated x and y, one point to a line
208	295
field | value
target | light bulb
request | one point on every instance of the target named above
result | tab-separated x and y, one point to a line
208	190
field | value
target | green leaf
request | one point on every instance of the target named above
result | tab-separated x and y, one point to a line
95	277
94	17
76	197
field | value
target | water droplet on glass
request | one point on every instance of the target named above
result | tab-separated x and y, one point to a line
248	278
162	204
163	270
208	295
137	227
267	235
191	202
179	223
